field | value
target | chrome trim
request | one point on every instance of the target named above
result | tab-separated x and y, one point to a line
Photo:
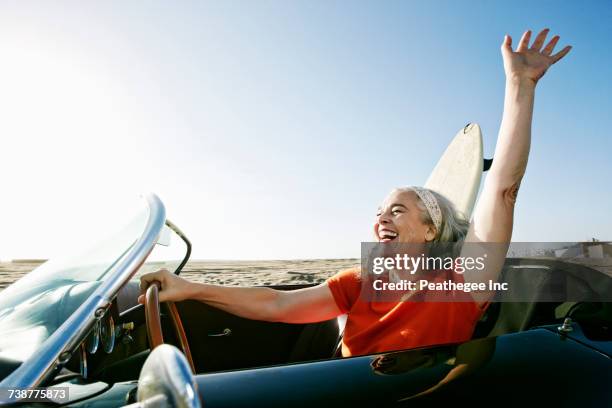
94	337
545	267
126	311
226	332
108	323
166	372
83	361
34	371
566	327
178	269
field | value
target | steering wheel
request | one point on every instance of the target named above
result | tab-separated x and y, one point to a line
153	320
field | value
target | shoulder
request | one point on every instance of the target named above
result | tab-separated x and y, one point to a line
345	287
353	274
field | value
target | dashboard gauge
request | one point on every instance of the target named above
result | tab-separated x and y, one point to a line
83	361
93	339
107	333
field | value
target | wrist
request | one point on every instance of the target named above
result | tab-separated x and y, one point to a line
191	291
520	81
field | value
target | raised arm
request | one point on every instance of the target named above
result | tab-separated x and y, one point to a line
493	215
306	305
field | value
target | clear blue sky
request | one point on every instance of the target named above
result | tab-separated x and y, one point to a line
274	129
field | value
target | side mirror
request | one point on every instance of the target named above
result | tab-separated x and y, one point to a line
166	380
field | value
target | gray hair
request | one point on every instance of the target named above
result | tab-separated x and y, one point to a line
454	225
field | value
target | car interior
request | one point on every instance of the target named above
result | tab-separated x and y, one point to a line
221	341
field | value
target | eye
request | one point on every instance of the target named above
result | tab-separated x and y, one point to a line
396	211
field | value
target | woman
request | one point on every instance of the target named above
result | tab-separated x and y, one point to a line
409	215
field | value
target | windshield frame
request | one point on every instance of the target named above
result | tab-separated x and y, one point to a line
57	349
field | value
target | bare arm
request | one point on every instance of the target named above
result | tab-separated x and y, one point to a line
493	215
306	305
494	212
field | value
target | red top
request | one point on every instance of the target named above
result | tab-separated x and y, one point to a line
374	327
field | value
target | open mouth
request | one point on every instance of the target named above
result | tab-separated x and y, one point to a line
385	235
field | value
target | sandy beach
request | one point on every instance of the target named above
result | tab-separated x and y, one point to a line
11	271
256	273
238	273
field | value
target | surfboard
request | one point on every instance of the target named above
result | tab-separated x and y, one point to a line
458	173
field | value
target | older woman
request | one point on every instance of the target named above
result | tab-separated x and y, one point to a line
408	215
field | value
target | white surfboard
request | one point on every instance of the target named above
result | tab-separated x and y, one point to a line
459	171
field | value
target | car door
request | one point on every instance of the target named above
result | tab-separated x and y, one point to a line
222	341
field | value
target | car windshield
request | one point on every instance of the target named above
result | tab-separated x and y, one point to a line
32	308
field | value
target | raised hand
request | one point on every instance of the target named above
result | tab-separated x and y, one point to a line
532	62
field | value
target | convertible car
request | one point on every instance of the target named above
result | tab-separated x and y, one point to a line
73	326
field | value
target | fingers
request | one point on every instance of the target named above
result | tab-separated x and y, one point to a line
524	42
147	278
506	44
171	287
161	297
551	45
162	294
561	54
539	41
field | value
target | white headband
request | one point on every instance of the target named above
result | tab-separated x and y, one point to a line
433	208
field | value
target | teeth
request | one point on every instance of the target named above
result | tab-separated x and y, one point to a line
388	234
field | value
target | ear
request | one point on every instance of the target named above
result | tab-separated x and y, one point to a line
430	233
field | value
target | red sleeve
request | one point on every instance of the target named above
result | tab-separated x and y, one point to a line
345	286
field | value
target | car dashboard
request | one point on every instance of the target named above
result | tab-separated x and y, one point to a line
116	346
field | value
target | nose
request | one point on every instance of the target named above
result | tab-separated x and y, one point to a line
383	218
